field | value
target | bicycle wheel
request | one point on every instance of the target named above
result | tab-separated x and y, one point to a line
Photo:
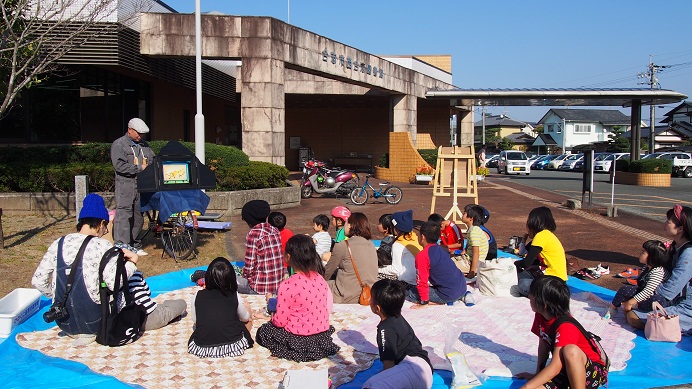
179	235
393	194
359	196
149	225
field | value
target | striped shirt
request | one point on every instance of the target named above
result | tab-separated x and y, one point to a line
140	291
652	279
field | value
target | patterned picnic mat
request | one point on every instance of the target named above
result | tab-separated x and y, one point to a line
160	360
494	335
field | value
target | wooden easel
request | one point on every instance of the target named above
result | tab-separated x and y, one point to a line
455	170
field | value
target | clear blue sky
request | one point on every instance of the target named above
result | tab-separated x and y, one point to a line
506	44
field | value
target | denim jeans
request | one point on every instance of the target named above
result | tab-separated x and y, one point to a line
413	295
524	283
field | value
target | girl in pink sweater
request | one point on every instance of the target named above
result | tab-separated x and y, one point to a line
300	330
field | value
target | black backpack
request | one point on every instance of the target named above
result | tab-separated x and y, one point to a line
118	327
593	339
384	252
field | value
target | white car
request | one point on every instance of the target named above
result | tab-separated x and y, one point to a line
556	162
603	165
513	162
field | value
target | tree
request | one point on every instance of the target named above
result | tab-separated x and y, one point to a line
36	34
505	144
616	142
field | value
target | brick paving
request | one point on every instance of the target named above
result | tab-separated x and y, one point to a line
588	236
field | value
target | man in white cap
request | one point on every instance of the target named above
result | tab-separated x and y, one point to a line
130	155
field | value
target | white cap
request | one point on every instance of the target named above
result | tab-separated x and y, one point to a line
138	125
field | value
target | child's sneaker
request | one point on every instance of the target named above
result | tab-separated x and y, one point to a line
600	269
631	281
468	299
629	273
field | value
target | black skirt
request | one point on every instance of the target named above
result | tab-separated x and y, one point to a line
299	348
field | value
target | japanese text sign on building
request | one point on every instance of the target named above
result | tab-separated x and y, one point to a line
349	63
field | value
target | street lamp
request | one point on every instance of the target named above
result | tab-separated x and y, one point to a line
199	117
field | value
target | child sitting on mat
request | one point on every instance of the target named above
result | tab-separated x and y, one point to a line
405	363
654	257
300	330
222	318
575	363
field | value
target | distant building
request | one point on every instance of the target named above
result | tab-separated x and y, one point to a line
505	127
577	127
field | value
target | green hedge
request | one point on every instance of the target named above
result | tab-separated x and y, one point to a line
52	169
622	165
254	176
652	165
430	156
216	156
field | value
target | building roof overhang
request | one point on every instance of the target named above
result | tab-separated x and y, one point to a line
556	97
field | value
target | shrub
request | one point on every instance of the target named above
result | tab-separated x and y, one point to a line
652	165
622	165
254	176
384	160
216	156
429	155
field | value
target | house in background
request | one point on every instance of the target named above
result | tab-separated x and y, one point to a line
504	127
679	121
674	134
522	141
576	127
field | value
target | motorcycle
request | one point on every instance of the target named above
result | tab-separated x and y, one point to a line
320	179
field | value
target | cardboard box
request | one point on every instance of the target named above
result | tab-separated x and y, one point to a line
16	307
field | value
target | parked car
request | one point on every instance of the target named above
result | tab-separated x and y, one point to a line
604	165
682	162
579	165
557	161
542	163
513	162
492	162
568	163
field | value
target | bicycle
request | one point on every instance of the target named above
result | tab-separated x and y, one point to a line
392	194
178	233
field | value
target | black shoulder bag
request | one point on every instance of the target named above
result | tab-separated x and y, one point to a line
118	327
58	311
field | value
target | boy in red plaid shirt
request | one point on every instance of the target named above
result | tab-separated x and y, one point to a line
264	265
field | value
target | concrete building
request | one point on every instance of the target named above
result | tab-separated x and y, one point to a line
270	88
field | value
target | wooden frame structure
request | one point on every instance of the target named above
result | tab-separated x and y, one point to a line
455	171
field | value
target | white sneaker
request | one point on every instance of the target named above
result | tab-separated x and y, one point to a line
142	253
468	298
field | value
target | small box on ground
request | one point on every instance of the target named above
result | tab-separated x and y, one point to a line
16	307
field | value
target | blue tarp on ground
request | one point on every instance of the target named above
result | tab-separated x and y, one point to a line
22	368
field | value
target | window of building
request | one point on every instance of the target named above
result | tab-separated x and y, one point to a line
87	105
582	128
550	128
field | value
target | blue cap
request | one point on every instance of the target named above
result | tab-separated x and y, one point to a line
403	221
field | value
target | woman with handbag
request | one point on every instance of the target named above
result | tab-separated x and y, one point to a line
354	261
677	289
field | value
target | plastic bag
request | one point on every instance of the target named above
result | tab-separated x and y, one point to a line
464	377
497	277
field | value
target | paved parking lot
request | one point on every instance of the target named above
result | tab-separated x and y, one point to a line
644	201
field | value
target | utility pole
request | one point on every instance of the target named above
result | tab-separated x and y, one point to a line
483	118
652	81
